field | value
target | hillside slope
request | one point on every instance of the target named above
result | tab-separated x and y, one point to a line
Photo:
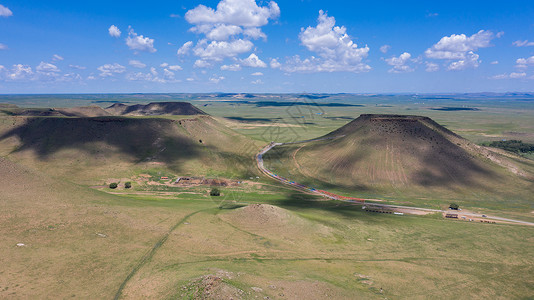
154	108
407	156
93	148
68	241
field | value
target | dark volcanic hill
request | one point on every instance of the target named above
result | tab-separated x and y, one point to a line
403	154
154	108
107	146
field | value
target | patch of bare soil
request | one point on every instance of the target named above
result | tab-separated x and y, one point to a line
212	287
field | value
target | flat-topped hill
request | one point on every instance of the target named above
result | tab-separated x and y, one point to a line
117	109
85	148
154	108
396	155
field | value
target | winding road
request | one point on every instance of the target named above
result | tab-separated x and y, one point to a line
332	196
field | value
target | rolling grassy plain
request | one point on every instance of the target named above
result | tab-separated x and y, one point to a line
258	239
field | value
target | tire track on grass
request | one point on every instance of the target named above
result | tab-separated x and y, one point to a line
153	251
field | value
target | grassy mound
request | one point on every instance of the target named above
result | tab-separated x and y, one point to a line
404	156
155	108
90	148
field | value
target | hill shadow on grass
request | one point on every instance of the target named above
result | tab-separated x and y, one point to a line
141	139
299	202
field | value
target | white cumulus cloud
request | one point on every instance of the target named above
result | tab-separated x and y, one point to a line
114	31
431	67
218	50
460	47
335	48
513	75
470	61
524	63
257	74
244	13
136	64
20	72
175	68
56	57
232	67
524	43
253	61
385	48
216	79
44	67
108	70
185	48
139	42
77	67
3	46
275	64
5	12
228	29
400	63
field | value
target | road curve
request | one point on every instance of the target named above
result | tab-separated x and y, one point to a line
298	186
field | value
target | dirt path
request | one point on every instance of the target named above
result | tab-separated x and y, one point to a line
153	251
398	208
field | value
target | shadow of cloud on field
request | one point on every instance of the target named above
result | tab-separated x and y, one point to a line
139	138
253	120
299	201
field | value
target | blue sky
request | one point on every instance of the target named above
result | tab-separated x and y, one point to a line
266	46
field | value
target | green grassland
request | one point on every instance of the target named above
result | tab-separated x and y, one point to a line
258	239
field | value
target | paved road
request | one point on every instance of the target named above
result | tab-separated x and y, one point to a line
264	170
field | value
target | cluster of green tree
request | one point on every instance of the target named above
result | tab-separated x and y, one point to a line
512	145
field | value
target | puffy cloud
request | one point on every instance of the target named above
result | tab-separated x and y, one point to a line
47	68
513	75
218	32
108	70
77	67
168	74
518	75
275	64
253	61
199	63
48	71
244	13
400	63
232	67
227	29
139	42
218	50
114	31
524	62
495	62
431	67
175	68
384	49
5	12
56	57
136	64
20	72
314	64
524	43
257	81
336	50
151	76
470	61
254	33
257	74
461	48
457	46
185	48
3	46
216	79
